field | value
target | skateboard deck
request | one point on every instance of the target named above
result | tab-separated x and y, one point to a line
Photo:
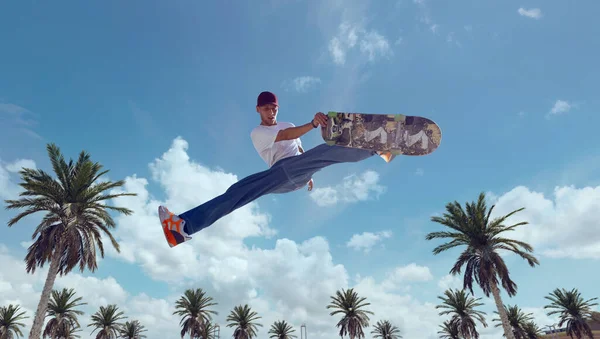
396	133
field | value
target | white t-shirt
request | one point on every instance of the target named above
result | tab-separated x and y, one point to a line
263	138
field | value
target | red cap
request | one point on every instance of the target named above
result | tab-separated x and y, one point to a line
266	98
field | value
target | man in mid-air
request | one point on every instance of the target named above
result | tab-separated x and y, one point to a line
290	168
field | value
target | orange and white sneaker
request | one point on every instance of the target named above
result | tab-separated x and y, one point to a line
386	155
172	226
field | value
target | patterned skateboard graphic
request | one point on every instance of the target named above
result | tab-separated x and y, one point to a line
397	133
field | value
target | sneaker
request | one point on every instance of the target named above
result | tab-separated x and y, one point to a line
172	226
386	155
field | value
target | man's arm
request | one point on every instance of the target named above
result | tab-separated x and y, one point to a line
296	132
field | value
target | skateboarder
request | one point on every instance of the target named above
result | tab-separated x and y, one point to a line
290	168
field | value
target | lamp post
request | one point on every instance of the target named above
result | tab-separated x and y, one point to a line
301	328
553	330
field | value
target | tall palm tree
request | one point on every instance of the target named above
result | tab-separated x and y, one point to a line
282	330
573	310
385	330
10	321
532	331
132	330
193	308
462	308
482	237
61	310
107	321
76	212
244	321
517	320
449	330
348	303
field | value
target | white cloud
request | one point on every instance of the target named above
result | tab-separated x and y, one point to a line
9	188
371	44
353	188
367	240
450	281
413	318
409	273
534	13
19	118
302	84
560	107
564	226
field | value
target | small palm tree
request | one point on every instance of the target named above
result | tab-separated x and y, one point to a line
132	330
76	213
107	321
281	330
462	308
449	330
193	308
70	333
10	321
61	310
482	237
517	320
573	310
244	321
385	330
532	331
207	331
348	303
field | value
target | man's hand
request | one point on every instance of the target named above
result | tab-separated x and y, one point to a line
320	119
310	184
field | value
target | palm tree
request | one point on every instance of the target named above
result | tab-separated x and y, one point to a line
207	331
462	308
193	308
532	331
243	319
481	236
449	330
282	330
107	321
385	330
573	310
10	322
517	320
70	333
349	304
63	314
75	214
132	330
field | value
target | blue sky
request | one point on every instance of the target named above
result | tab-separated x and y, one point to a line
165	92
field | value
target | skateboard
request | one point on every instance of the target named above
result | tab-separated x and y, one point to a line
396	133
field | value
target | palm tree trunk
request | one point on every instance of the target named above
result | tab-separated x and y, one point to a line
503	316
40	314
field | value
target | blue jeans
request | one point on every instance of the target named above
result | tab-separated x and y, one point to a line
284	176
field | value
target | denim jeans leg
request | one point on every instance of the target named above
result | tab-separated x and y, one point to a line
237	195
284	176
301	168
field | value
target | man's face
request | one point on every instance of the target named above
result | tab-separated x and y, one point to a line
268	114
